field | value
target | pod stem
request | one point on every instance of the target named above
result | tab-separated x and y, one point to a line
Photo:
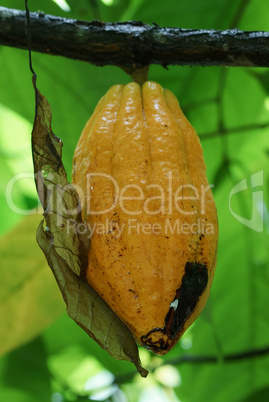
140	75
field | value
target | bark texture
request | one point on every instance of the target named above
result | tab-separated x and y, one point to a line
133	44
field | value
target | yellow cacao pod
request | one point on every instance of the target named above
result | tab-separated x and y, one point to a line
141	176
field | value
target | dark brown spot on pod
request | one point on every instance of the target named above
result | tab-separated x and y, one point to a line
193	284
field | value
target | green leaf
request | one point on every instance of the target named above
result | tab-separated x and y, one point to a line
11	395
17	189
62	4
66	251
263	78
29	300
27	362
262	395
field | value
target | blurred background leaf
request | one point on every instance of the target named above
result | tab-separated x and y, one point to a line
29	297
229	107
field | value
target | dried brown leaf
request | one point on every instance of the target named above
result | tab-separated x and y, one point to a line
64	239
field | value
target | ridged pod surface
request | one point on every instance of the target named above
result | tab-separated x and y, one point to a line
141	176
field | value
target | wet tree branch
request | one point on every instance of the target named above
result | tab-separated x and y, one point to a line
133	43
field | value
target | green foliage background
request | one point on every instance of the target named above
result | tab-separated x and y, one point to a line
44	355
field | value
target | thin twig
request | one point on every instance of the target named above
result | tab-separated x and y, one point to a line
249	354
229	358
28	33
233	130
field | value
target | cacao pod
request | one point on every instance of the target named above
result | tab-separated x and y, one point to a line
141	176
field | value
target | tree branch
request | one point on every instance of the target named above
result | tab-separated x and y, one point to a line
133	44
248	354
229	358
233	130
